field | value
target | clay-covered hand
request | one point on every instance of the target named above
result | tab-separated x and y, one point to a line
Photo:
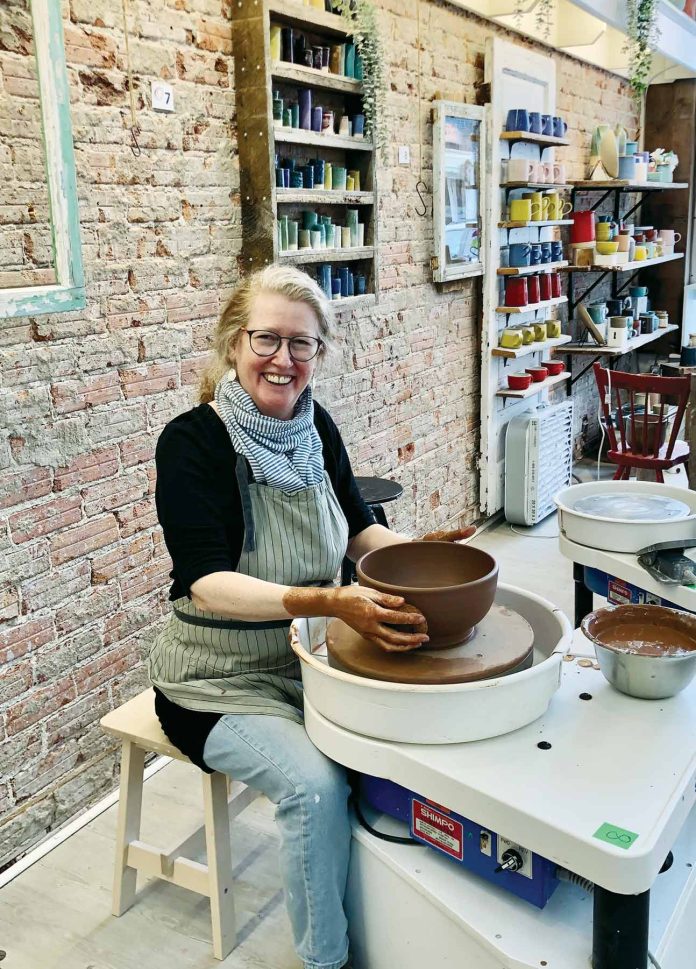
453	536
369	612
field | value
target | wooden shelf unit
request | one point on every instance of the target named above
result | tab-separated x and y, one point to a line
626	186
350	254
542	267
533	388
538	186
256	76
532	307
546	141
524	351
628	267
594	349
534	224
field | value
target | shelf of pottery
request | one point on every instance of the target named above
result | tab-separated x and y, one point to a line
617	245
532	254
307	180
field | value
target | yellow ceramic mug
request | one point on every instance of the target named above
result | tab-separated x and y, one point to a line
540	207
539	332
521	210
558	207
527	334
511	339
640	254
603	230
553	329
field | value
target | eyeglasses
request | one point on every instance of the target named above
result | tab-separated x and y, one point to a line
302	349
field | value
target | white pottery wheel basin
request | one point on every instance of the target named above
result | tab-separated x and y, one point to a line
439	714
625	535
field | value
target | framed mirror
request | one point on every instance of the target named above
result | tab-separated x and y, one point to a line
40	257
458	146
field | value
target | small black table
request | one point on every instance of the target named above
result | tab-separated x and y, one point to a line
375	492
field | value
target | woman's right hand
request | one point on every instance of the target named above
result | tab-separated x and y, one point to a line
373	614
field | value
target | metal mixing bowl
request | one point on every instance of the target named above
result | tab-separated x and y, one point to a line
637	674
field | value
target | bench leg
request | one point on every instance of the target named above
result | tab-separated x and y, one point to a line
128	825
219	856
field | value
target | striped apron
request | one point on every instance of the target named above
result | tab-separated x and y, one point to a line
203	661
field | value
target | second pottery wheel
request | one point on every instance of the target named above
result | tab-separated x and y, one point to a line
502	644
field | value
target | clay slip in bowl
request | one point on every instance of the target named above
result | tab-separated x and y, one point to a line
452	585
648	652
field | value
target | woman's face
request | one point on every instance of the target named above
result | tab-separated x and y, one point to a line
275	383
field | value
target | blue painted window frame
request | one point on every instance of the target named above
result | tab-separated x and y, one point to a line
68	292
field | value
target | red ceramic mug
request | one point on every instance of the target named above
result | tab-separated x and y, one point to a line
533	291
583	229
555	279
545	286
516	291
538	374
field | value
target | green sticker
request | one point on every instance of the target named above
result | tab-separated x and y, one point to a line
613	835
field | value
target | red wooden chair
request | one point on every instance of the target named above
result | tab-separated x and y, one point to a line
637	432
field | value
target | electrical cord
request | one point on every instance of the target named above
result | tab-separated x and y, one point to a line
379	834
527	535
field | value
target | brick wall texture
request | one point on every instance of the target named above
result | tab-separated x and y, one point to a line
84	395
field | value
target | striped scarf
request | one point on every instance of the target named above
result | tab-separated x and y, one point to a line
283	454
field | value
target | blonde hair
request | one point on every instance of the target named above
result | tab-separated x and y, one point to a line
285	281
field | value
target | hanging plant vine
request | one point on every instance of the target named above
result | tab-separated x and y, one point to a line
544	12
365	33
643	35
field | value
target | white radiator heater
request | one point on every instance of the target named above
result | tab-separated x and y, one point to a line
538	461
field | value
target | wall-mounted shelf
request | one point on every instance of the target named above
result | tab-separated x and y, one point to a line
311	77
538	186
543	267
260	142
594	349
533	388
626	186
534	224
524	351
308	18
320	196
326	255
628	267
300	136
533	307
546	141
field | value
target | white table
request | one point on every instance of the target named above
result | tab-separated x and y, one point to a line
620	566
613	759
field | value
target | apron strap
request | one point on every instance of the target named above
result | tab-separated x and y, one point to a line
243	482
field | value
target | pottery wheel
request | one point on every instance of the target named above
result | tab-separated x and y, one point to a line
503	643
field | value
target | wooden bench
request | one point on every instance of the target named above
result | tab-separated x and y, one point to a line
136	725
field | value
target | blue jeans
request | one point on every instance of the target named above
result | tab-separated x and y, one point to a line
275	756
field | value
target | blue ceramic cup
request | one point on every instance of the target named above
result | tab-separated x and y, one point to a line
519	254
546	252
535	254
559	127
535	123
627	167
557	251
546	124
517	120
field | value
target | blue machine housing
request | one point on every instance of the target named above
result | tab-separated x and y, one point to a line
464	842
619	592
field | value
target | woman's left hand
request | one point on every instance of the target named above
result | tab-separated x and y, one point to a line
454	536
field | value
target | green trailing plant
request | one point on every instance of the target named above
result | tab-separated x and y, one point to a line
544	12
643	35
365	33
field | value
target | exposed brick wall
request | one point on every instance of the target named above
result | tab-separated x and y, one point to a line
84	395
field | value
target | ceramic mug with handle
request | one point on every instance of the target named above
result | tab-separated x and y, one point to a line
520	170
558	208
521	210
669	237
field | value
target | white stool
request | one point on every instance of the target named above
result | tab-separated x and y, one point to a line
136	724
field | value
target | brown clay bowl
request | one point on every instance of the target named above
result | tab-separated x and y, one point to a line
656	432
452	585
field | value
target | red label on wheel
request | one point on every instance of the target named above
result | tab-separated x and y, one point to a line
437	829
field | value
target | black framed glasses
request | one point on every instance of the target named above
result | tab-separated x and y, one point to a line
302	349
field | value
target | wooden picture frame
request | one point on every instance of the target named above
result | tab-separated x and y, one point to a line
68	291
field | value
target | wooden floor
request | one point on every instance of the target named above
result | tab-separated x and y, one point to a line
56	914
